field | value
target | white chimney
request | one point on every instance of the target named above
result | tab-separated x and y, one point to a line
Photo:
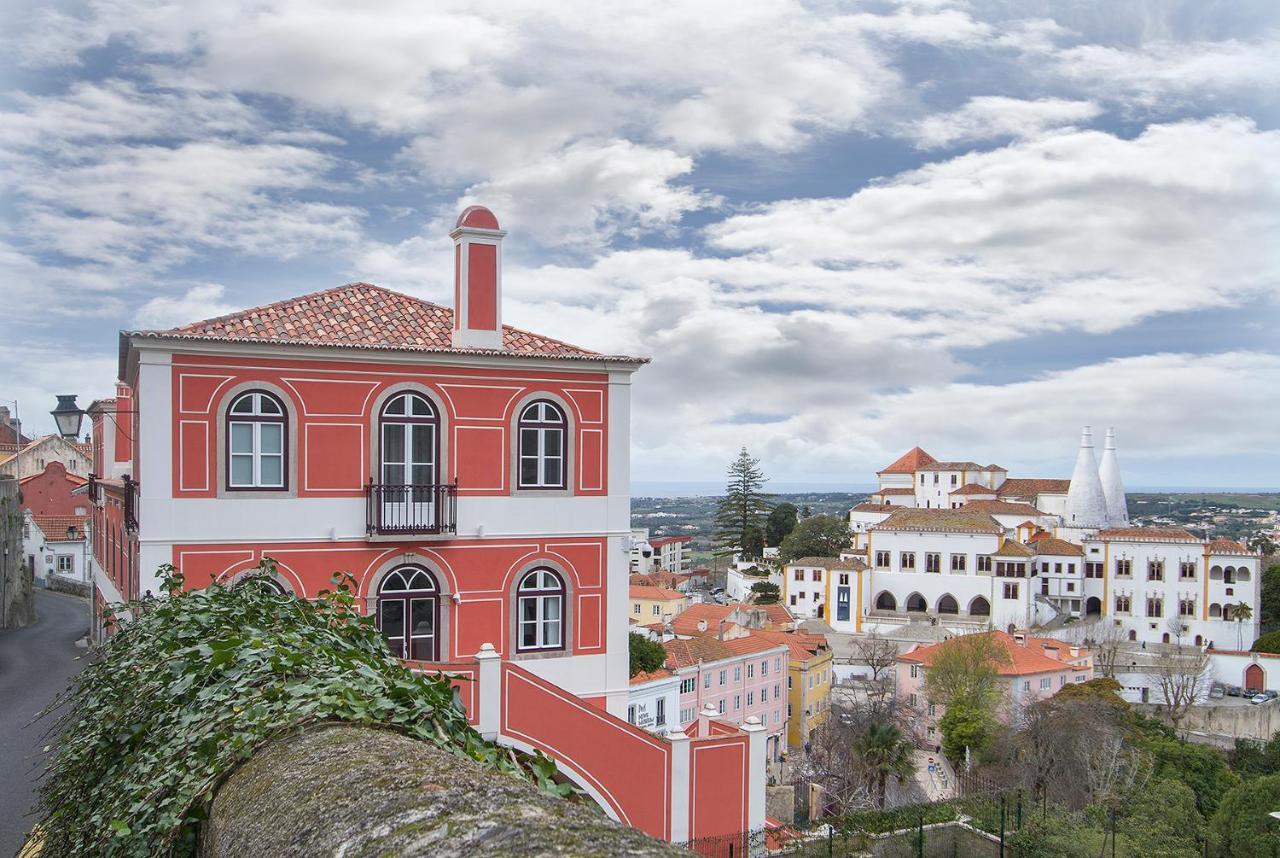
477	280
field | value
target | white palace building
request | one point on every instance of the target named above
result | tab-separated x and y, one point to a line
962	545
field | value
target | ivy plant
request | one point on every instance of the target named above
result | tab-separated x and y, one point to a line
197	680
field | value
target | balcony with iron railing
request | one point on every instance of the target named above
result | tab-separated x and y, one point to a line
398	509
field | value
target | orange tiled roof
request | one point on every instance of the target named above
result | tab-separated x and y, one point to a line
650	675
973	489
955	466
1222	545
803	645
662	579
999	507
686	652
963	520
364	316
659	541
1029	488
1012	548
687	622
909	462
868	506
1057	547
896	491
752	643
640	591
1148	534
55	527
1021	659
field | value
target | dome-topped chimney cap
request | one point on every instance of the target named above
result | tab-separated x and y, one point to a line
477	217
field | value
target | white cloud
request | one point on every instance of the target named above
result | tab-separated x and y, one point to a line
991	117
203	301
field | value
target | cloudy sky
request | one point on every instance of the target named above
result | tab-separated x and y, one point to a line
840	229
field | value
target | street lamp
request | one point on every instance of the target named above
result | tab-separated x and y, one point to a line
68	416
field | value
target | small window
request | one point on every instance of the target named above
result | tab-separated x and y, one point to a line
660	713
543	432
540	602
256	442
66	563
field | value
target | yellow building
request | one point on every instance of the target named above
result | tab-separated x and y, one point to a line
809	679
656	604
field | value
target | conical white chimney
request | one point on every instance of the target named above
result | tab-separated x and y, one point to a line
1112	485
1086	503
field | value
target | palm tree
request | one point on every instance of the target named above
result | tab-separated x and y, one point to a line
885	752
1241	612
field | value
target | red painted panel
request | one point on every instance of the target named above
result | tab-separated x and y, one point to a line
482	287
480	454
629	768
194	474
718	772
591	461
335	457
124	424
590	404
481	401
332	397
590	622
49	492
479	623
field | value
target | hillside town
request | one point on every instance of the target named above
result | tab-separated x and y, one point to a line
797	429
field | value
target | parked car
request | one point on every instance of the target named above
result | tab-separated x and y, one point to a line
1233	690
1217	686
1271	695
1259	698
1217	692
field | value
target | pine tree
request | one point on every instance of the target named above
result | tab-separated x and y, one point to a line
740	516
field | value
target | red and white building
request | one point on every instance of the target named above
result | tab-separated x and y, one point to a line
472	479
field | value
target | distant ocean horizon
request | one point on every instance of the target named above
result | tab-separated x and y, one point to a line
707	488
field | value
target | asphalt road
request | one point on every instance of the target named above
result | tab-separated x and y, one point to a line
35	664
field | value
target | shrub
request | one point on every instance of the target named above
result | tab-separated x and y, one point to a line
646	655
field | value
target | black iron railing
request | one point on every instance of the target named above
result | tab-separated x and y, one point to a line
130	503
411	509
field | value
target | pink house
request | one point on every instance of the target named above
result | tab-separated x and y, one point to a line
1036	668
736	679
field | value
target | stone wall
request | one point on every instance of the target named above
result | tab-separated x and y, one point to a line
1224	723
943	840
357	791
62	584
17	582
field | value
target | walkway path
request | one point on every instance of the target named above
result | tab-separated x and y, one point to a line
36	663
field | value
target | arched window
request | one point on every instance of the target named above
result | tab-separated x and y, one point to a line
886	602
409	613
409	430
980	607
264	581
1215	611
543	437
916	603
947	604
540	599
257	442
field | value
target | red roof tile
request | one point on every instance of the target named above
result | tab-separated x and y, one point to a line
1057	547
1222	545
55	527
963	520
687	622
1147	534
909	462
1031	487
973	489
896	491
361	315
640	591
650	675
658	542
1021	659
999	507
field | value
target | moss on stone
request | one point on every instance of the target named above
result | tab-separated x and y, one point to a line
361	792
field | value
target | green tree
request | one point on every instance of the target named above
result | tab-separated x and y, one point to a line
753	541
1270	642
646	655
1250	758
885	752
781	521
1201	767
1270	608
967	726
766	593
1242	826
816	536
1163	822
743	507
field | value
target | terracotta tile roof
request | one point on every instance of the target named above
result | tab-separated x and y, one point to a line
973	489
803	646
639	591
650	675
868	506
684	652
364	316
963	520
661	579
1021	659
1058	547
955	466
1029	488
1222	545
909	462
753	643
55	527
1012	548
687	622
1147	534
896	491
999	507
664	540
